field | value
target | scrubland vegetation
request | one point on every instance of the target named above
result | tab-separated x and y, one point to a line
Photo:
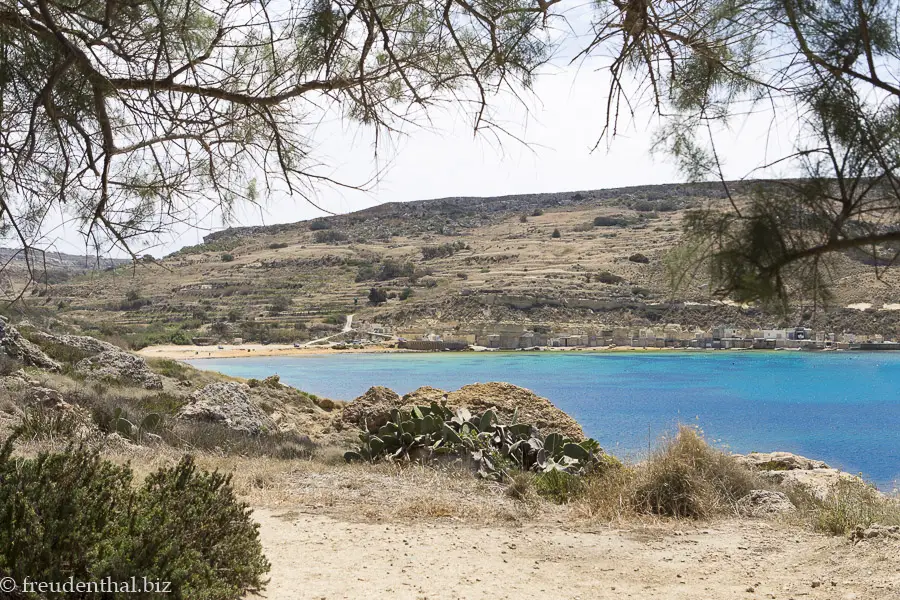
111	478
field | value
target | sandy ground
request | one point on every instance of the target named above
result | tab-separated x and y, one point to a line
229	351
322	557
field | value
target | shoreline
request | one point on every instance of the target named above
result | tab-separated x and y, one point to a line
174	352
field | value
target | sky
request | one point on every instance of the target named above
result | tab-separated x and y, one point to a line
558	129
559	125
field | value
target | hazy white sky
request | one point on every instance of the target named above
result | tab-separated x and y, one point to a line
561	123
561	126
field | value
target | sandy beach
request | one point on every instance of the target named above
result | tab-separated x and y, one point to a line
174	352
244	350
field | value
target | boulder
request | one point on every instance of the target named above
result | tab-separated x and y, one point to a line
120	366
82	343
508	399
15	346
764	503
229	404
819	482
779	461
875	531
373	408
788	469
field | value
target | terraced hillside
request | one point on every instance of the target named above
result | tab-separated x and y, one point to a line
453	264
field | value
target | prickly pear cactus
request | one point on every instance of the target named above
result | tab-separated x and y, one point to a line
493	448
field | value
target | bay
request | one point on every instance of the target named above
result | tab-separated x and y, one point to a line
842	407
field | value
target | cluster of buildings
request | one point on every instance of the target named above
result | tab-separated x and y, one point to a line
516	337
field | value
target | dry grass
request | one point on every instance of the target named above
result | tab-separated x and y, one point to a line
686	477
683	478
850	503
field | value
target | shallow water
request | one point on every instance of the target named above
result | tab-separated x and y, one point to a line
843	408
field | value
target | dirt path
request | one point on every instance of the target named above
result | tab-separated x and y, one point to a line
319	557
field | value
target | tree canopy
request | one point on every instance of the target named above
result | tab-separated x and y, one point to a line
126	112
122	113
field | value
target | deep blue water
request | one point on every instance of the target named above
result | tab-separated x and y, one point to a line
843	408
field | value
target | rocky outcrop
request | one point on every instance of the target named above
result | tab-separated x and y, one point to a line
119	366
789	469
229	404
373	408
874	532
764	503
43	402
779	461
83	343
821	482
15	346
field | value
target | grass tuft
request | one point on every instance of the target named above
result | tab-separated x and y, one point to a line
850	503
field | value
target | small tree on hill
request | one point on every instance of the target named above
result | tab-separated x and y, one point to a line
377	296
556	234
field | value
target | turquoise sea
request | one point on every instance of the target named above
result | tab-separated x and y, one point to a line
843	408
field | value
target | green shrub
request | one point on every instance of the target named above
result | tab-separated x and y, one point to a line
319	225
442	251
555	234
609	278
227	257
162	402
366	272
377	296
559	486
537	212
328	236
40	423
639	258
73	514
279	305
133	301
406	293
170	368
181	338
609	222
8	365
278	246
392	269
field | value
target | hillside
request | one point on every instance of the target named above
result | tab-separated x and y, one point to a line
47	267
448	265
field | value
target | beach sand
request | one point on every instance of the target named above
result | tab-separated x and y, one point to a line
175	352
317	556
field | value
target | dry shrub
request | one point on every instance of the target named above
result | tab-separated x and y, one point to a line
433	508
685	477
329	455
218	439
850	503
8	365
521	486
607	496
